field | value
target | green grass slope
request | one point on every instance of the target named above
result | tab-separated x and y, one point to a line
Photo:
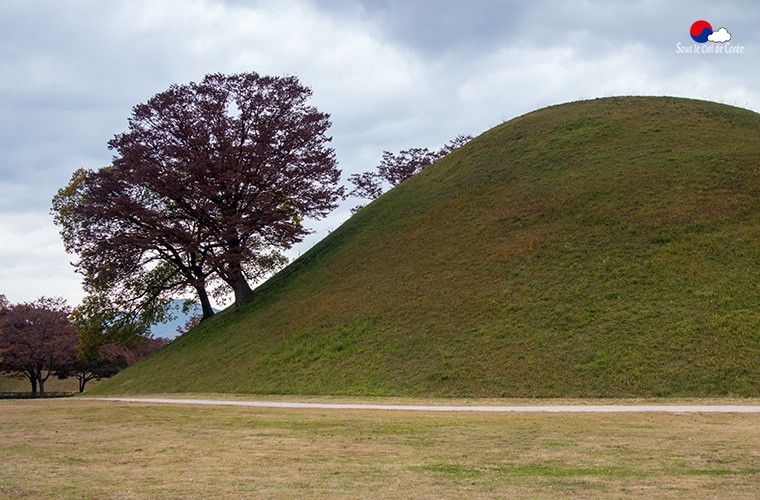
598	248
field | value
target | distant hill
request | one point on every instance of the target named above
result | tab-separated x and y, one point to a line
598	248
168	330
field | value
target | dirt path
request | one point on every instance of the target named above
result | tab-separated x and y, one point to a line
491	409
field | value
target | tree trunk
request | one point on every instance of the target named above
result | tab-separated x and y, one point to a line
198	281
208	311
243	291
33	380
42	386
82	382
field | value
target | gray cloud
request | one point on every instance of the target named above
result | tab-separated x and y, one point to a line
392	73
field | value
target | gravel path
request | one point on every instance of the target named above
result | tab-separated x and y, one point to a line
491	409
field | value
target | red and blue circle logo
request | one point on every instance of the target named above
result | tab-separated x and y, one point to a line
700	30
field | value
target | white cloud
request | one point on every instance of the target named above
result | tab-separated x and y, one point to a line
720	36
34	261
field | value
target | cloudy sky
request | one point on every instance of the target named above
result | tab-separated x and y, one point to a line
392	73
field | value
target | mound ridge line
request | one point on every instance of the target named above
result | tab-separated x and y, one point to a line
452	408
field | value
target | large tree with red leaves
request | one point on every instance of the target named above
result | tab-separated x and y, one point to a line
212	180
37	340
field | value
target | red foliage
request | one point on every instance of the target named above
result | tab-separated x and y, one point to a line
37	340
242	158
395	168
213	178
189	325
144	348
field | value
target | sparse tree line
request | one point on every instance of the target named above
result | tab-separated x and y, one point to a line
395	168
45	338
208	187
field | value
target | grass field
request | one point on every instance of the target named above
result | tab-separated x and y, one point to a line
76	448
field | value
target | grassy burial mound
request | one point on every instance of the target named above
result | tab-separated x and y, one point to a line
599	248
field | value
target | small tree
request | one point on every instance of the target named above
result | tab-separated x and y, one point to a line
93	369
109	360
395	168
37	340
100	325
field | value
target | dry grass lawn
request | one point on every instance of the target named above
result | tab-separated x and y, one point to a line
87	449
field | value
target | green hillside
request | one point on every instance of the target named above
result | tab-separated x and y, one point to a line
598	248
